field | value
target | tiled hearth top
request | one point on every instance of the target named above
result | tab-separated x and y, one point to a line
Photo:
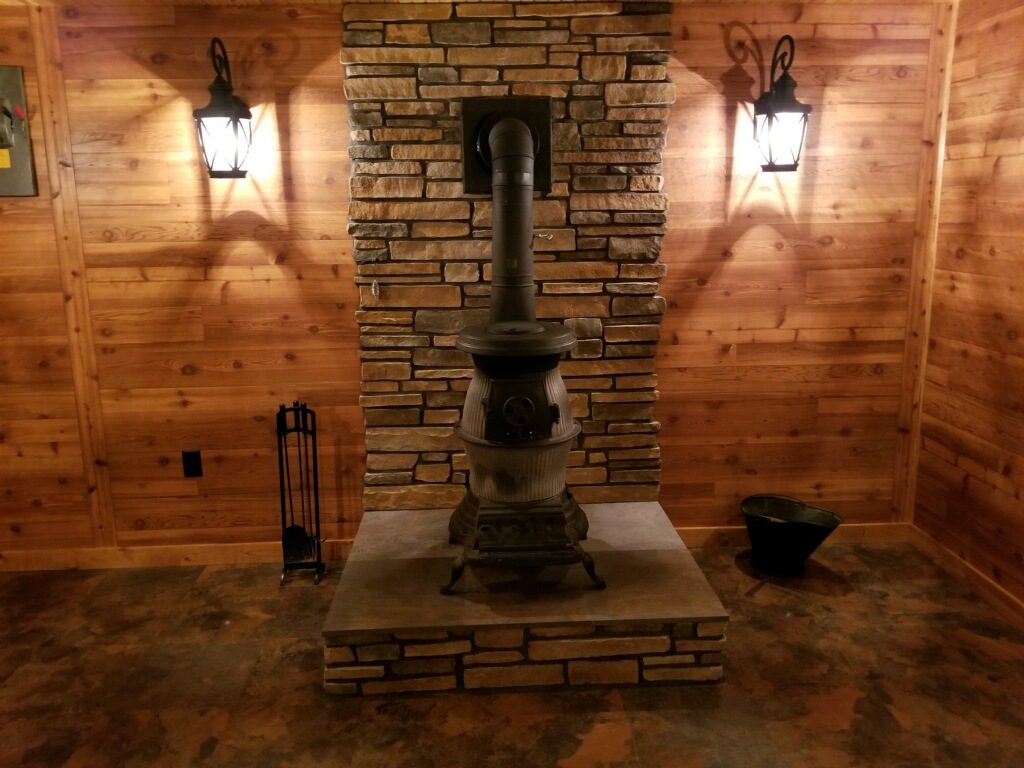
401	558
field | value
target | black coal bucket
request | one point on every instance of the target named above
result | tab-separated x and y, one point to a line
785	531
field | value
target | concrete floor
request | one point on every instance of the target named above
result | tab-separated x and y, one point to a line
875	658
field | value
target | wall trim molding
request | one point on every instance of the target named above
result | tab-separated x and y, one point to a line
88	558
847	533
1008	604
60	165
922	266
92	558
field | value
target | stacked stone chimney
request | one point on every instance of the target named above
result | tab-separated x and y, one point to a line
422	246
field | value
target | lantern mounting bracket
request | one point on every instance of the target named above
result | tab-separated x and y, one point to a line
219	57
781	58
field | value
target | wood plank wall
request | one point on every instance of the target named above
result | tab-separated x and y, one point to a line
43	499
212	301
781	357
971	473
781	354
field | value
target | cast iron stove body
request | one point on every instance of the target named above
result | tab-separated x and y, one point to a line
516	422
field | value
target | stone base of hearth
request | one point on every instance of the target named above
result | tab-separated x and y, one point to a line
390	630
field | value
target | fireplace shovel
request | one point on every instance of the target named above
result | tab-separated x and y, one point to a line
298	545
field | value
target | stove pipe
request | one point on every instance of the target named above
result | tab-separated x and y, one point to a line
516	423
512	287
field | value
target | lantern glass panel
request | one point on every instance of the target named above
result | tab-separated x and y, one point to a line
225	142
780	138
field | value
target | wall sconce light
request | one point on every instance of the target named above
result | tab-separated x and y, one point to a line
225	124
780	121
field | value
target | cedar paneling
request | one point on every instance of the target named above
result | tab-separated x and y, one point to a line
43	499
215	300
780	363
781	354
971	475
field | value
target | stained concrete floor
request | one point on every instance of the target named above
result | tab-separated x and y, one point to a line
875	658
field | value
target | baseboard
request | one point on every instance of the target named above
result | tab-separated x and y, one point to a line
91	558
337	549
847	533
1008	604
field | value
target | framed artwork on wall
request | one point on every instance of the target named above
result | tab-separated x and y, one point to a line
17	173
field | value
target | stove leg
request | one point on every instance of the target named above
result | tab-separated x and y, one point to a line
463	518
458	567
459	563
588	565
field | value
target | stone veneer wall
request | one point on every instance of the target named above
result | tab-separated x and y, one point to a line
576	655
422	247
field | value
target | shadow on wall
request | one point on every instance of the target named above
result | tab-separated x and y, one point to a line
257	273
750	198
780	355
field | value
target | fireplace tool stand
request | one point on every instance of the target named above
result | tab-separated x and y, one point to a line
516	422
299	476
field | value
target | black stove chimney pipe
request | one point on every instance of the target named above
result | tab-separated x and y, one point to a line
512	158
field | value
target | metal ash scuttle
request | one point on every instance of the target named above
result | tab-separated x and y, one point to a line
516	422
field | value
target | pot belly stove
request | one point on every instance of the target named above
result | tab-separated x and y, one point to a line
516	422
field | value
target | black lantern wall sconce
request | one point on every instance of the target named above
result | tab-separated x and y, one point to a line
780	121
225	124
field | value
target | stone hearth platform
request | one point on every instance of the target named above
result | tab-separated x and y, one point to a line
389	630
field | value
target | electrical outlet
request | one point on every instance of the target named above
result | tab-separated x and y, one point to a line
192	463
